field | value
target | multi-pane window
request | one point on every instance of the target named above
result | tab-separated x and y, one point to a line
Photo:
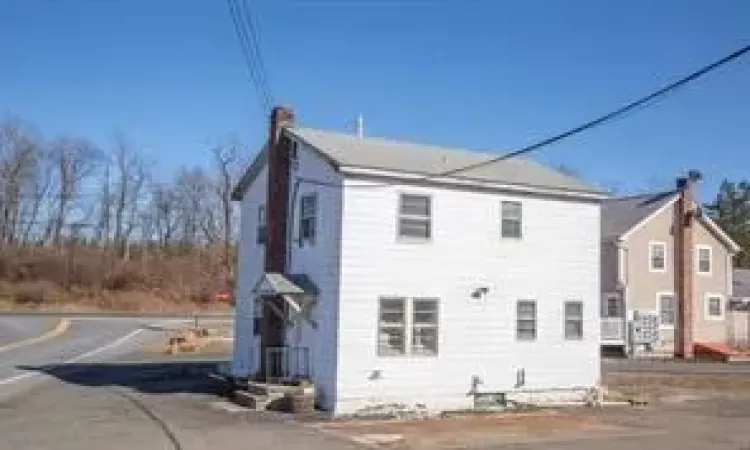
658	256
704	259
392	326
424	338
714	307
261	230
526	320
573	320
667	309
308	206
511	219
613	307
403	320
414	217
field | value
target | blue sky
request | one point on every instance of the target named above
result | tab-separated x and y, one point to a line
480	74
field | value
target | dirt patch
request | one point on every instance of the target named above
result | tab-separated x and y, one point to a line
472	430
658	385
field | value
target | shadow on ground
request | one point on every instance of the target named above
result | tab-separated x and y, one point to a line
146	377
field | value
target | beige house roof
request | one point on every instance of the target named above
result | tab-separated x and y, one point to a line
620	216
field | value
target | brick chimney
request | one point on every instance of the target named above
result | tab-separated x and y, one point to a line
273	327
685	214
277	201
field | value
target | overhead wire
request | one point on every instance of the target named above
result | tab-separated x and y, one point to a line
252	28
640	103
250	54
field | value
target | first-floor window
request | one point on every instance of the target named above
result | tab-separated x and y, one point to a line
526	320
424	339
667	309
392	326
573	320
413	321
715	307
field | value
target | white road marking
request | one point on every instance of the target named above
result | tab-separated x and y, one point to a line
96	351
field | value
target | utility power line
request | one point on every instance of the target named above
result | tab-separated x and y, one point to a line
607	117
244	27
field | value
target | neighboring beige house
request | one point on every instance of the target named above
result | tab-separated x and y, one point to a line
638	274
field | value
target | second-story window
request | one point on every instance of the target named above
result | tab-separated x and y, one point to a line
657	252
308	206
511	220
414	217
704	260
261	230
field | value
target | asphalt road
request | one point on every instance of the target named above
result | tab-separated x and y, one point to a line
83	390
13	329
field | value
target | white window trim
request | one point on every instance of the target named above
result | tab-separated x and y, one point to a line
565	321
409	327
536	320
651	267
302	241
659	295
520	221
698	249
431	218
706	309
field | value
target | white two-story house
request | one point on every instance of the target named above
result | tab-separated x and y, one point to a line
403	280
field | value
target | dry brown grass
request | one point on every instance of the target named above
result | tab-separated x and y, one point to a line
86	277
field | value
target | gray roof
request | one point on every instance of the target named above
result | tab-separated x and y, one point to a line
619	215
293	284
341	149
741	283
377	153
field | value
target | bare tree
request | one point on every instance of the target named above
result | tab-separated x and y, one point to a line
74	161
129	185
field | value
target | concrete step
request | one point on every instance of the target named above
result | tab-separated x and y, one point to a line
260	402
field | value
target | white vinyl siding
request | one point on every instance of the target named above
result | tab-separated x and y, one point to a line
667	309
511	219
657	256
573	320
414	217
526	320
476	336
705	263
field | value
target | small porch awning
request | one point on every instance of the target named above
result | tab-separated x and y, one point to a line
271	284
298	291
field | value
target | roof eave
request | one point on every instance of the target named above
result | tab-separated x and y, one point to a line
470	182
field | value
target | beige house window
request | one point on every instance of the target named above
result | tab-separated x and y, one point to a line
657	256
667	309
703	254
714	307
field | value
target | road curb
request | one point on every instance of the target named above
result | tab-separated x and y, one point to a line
61	327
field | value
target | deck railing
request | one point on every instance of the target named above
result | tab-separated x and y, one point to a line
287	363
